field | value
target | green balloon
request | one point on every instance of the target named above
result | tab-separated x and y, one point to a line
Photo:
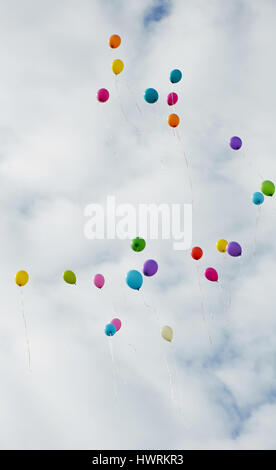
138	244
69	277
268	188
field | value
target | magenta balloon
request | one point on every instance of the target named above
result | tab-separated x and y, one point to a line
103	95
99	281
117	323
172	99
211	274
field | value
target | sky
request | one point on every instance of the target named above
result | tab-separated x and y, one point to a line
61	150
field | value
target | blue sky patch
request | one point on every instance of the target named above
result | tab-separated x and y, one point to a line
157	12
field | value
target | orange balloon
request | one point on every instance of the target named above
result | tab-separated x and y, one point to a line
114	41
173	120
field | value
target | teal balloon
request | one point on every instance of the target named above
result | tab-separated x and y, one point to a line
134	279
175	76
151	95
257	198
110	329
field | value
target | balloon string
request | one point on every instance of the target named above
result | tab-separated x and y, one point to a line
177	388
170	379
109	300
132	346
224	269
223	297
125	307
255	169
187	165
256	229
133	95
113	366
122	108
151	307
202	304
25	327
229	286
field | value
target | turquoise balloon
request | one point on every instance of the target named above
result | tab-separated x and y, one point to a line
151	95
175	76
110	329
257	198
134	279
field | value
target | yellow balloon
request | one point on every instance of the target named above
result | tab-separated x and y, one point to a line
117	66
221	245
167	333
21	278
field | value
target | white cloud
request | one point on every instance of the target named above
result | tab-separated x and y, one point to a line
61	150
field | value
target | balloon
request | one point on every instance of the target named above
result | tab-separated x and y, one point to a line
172	98
151	95
257	198
167	333
221	245
138	244
211	274
134	279
117	323
117	66
175	76
235	143
150	267
21	278
102	95
110	329
69	277
268	188
114	41
99	280
234	249
173	120
196	252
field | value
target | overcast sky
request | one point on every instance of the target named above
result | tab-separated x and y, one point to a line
61	150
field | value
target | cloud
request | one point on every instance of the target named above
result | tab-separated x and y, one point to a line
61	150
157	12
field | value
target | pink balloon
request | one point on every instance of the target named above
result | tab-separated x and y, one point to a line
172	99
99	280
103	95
117	323
211	274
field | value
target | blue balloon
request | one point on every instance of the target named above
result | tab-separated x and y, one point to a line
257	198
151	95
110	329
175	76
134	279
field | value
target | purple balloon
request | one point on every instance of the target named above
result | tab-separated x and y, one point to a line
234	249
235	143
150	267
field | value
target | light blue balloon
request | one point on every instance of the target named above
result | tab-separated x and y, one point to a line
151	95
134	279
110	329
175	76
257	198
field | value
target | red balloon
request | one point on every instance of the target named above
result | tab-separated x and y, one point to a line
196	252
